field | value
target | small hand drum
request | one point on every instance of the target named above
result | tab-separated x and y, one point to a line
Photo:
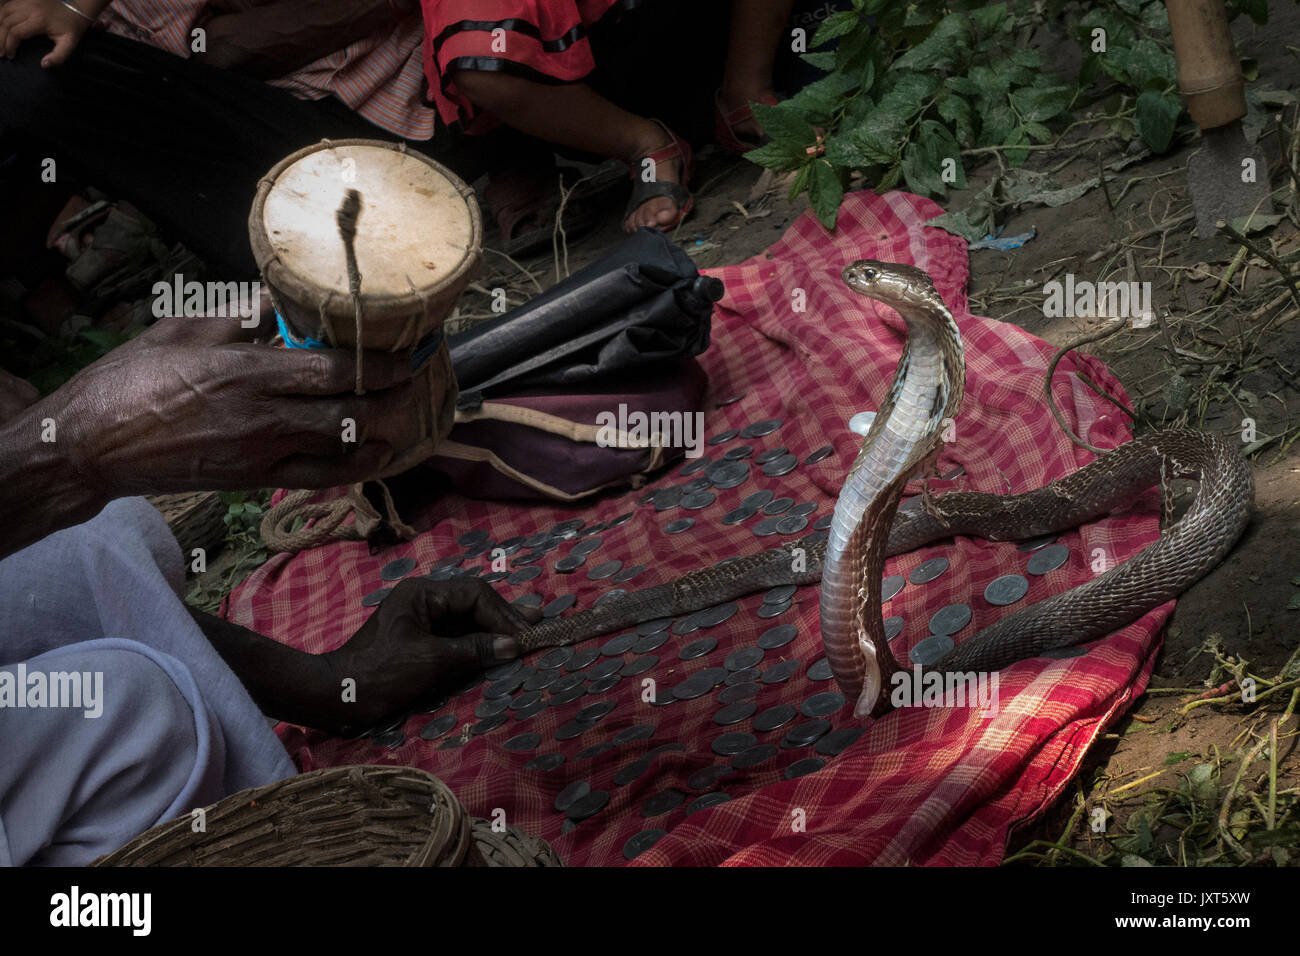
418	240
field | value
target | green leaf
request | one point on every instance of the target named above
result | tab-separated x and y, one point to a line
1035	104
1149	66
921	169
1028	57
1038	132
781	157
1157	114
946	47
890	179
823	61
1015	157
957	111
988	19
963	85
1131	7
880	137
842	150
783	123
836	25
1177	757
825	191
996	124
800	180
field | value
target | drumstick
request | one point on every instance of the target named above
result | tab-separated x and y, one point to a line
346	216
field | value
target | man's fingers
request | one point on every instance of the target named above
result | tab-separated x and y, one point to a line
481	651
470	598
64	44
314	471
329	371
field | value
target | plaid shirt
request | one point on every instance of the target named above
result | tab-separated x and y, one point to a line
381	77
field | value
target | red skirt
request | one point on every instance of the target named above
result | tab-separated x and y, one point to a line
543	40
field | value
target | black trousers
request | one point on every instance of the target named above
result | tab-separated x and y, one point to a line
183	141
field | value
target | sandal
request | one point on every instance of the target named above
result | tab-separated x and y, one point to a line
725	123
514	197
676	150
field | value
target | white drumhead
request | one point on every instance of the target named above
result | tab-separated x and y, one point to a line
413	232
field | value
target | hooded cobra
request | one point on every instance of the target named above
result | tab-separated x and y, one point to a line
867	527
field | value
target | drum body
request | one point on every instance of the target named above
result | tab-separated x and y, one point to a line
418	242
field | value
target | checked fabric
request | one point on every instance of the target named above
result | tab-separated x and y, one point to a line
923	785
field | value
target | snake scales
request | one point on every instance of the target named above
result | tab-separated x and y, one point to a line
867	526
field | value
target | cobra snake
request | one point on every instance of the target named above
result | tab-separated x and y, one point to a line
867	527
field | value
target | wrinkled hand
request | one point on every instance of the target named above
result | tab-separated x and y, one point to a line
424	640
22	19
191	404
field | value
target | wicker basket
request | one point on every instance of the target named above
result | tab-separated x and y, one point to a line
196	518
343	816
511	848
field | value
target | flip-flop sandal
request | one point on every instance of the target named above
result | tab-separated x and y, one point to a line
725	123
512	201
677	149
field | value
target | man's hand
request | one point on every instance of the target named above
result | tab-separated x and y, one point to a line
21	19
426	639
191	405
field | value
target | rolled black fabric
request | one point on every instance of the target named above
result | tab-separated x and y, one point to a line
643	304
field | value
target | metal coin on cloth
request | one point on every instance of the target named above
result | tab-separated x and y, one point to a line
589	805
768	526
491	706
693	687
561	684
627	574
511	545
737	516
950	619
621	644
782	592
707	777
1008	589
504	669
778	636
739	452
822	523
374	597
524	575
649	642
774	717
801	768
655	626
595	711
722	437
893	627
604	684
779	673
396	570
757	500
759	429
838	741
559	605
571	795
715	675
528	741
622	519
791	524
474	538
568	695
668	498
820	670
555	657
732	742
687	624
606	569
823	704
545	762
526	700
729	400
743	658
890	586
804	508
392	739
744	676
532	710
506	685
729	474
608	596
737	692
824	452
488	724
568	565
581	658
631	771
665	801
704	645
679	525
763	457
492	577
586	546
595	750
605	667
774	610
699	500
438	726
640	842
571	730
542	678
778	506
927	571
735	713
760	753
781	466
700	483
708	800
1048	559
801	735
929	651
695	466
718	614
635	732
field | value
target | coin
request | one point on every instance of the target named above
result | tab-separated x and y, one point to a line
595	750
706	777
374	597
640	842
665	801
473	538
595	711
617	646
586	546
801	735
491	706
555	657
704	645
735	713
526	700
1033	544
733	742
890	586
739	452
1048	559
823	704
718	614
542	678
782	592
627	574
708	800
928	652
608	596
604	570
928	570
631	771
698	500
759	429
822	523
737	516
622	519
691	688
635	732
752	757
492	577
438	726
778	506
774	717
655	626
824	452
763	457
893	627
767	527
527	560
778	636
679	525
820	670
561	684
566	696
838	741
581	658
728	474
532	710
791	524
804	508
506	685
395	570
610	665
861	422
739	692
570	730
649	642
668	498
603	684
781	466
757	500
743	658
1008	589
722	437
488	724
570	564
510	545
950	619
559	605
687	624
529	741
779	673
801	768
589	805
504	669
524	575
545	762
699	464
773	610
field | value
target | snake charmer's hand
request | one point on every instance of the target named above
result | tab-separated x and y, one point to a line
425	639
21	19
191	405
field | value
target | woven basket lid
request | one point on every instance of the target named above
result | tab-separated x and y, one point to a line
508	847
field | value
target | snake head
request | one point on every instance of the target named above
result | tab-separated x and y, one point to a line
892	283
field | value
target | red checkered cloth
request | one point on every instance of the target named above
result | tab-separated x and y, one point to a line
923	785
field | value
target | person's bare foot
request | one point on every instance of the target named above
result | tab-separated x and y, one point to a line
659	212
